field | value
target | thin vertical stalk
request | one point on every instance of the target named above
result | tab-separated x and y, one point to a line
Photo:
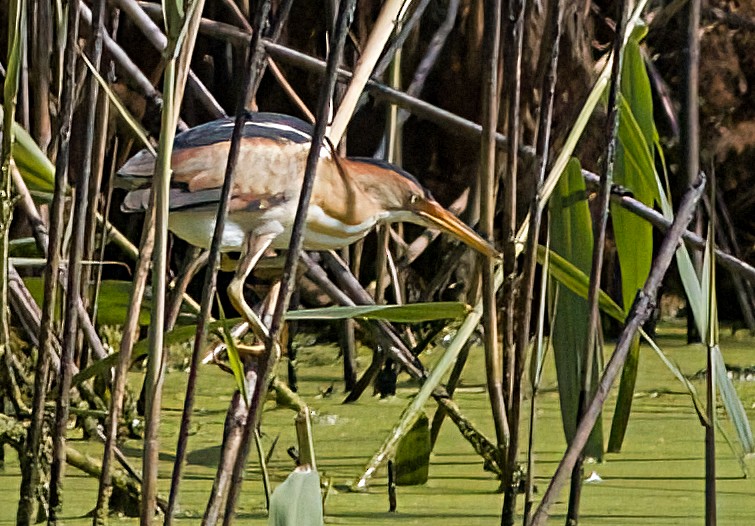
281	17
254	59
710	391
398	41
710	438
526	289
15	54
347	338
392	141
130	325
181	31
345	16
689	136
434	49
536	373
235	420
15	50
744	289
22	90
95	184
639	313
513	355
40	77
81	204
155	368
599	236
81	192
493	359
711	340
53	263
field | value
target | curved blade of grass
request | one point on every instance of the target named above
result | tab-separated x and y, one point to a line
697	403
408	313
234	359
577	281
729	396
697	301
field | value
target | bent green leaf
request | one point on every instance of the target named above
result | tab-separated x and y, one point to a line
409	313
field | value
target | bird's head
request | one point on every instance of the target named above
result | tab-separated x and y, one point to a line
403	199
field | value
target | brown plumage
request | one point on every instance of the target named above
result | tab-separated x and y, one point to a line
350	195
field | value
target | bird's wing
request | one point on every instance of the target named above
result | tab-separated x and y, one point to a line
271	142
284	129
138	200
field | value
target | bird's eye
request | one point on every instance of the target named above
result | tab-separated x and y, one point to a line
413	199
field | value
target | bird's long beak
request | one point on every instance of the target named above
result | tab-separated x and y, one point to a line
438	216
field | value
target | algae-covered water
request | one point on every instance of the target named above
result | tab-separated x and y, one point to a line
657	480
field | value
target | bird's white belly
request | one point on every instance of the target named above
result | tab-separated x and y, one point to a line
197	228
325	233
322	232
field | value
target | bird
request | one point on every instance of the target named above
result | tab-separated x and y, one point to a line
350	195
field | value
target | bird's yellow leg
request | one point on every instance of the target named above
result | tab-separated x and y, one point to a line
254	248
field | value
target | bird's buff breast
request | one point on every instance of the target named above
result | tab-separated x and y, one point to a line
322	232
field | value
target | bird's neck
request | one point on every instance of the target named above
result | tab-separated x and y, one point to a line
341	192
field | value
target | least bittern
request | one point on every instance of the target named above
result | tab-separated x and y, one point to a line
350	195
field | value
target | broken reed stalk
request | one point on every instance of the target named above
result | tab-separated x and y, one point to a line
451	384
641	310
53	263
487	180
431	387
513	356
549	51
254	59
599	235
398	351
